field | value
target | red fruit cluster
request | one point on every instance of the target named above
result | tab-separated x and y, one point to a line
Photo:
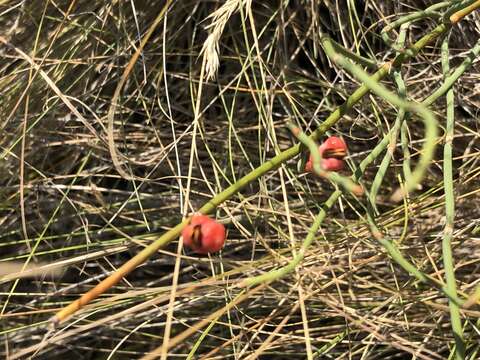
332	152
203	234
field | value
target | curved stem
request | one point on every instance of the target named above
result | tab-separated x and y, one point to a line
173	233
345	182
427	116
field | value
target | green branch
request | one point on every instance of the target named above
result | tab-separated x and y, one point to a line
448	264
272	164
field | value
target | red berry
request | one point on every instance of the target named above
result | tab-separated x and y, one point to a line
203	234
333	147
332	151
332	164
309	164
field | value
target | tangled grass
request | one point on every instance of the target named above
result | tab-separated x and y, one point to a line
101	155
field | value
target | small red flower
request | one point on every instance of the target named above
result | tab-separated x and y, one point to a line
203	234
332	151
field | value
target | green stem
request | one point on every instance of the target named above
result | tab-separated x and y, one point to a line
382	170
411	17
279	273
343	181
455	75
406	168
279	159
389	246
427	116
450	210
355	57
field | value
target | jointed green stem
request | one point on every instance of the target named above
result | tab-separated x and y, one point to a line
449	80
281	158
279	273
345	182
377	182
352	56
417	174
450	211
428	12
428	117
389	246
406	167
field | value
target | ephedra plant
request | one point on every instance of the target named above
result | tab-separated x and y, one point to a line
381	79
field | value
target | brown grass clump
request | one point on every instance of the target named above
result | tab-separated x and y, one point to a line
100	155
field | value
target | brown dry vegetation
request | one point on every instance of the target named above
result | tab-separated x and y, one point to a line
181	138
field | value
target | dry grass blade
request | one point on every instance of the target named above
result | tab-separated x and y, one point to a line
119	119
218	21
